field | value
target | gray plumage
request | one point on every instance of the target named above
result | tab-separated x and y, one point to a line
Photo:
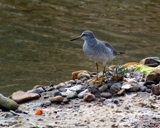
97	50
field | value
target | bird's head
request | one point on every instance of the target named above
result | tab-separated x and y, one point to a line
86	35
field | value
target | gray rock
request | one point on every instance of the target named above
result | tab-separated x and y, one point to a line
61	85
78	82
126	86
106	95
47	103
76	87
143	88
63	89
81	94
103	88
83	74
7	104
71	94
38	90
141	83
94	90
56	93
143	95
114	89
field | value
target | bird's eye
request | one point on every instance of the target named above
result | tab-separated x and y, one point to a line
84	34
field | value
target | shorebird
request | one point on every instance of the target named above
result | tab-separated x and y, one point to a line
98	51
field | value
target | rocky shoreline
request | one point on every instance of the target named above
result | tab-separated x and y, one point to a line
129	97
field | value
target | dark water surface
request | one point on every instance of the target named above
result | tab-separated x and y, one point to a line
35	35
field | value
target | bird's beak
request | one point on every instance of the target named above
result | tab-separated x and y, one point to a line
76	38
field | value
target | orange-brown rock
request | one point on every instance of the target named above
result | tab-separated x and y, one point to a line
56	99
24	96
130	63
38	86
112	66
74	74
121	92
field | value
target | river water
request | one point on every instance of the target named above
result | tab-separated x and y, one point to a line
35	46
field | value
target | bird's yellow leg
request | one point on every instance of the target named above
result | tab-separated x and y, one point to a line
96	79
101	82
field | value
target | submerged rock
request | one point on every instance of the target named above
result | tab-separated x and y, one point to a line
7	104
24	96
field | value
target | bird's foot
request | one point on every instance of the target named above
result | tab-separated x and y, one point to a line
97	80
101	83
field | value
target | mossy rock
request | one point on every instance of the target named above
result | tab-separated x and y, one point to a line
7	104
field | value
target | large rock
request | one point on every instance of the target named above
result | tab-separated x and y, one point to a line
7	104
156	89
150	60
24	96
154	76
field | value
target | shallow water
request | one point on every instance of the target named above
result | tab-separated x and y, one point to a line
35	35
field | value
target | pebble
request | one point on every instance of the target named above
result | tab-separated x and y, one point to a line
135	88
66	100
156	89
154	76
126	86
7	104
103	88
61	85
106	94
71	94
114	89
83	74
121	92
88	97
56	99
56	93
76	87
94	90
38	90
81	94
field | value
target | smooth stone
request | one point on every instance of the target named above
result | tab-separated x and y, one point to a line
56	93
24	96
81	94
74	74
94	90
114	89
56	99
135	88
63	89
78	82
38	86
129	64
66	100
117	84
38	90
50	88
61	85
89	97
47	103
71	94
130	80
126	86
83	74
156	89
121	92
64	94
7	104
143	95
143	88
76	87
154	76
149	60
106	94
103	88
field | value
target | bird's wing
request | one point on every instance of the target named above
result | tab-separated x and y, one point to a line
109	46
